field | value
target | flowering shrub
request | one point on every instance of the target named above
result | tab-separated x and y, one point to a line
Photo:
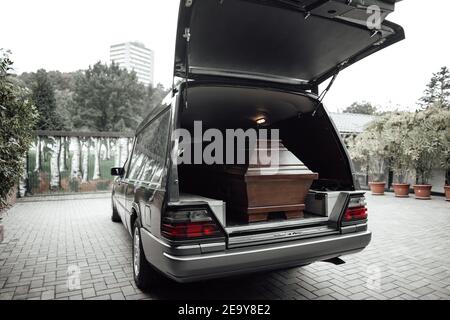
17	120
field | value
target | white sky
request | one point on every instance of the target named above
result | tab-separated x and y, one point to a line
69	35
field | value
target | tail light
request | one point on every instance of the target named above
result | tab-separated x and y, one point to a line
356	209
189	224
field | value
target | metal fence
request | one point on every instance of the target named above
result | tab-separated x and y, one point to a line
62	162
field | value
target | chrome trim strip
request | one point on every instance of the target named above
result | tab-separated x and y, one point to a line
278	224
212	245
287	246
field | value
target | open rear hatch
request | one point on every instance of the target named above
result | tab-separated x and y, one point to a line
312	146
300	42
295	44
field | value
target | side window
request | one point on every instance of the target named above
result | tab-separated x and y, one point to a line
149	156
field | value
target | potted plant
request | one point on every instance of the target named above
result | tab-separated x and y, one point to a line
445	152
377	176
445	163
366	149
375	140
397	129
424	145
371	149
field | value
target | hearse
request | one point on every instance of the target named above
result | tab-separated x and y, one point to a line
243	64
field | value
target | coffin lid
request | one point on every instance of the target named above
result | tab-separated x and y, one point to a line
287	41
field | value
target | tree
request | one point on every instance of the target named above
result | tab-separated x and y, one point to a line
18	117
154	96
371	149
437	92
64	106
426	142
43	95
76	158
63	84
397	127
361	108
108	98
54	163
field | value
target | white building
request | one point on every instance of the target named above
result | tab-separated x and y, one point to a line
134	56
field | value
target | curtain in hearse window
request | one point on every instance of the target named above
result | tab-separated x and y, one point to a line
149	156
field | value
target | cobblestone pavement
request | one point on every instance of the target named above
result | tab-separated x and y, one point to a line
408	258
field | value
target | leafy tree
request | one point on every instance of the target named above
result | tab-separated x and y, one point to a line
106	94
64	105
64	86
361	108
76	93
18	117
427	141
63	80
155	95
437	92
59	80
43	95
371	149
397	127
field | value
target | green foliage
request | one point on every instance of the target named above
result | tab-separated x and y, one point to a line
407	142
18	117
108	98
64	105
427	143
83	97
371	149
44	99
74	185
397	127
361	108
64	86
437	92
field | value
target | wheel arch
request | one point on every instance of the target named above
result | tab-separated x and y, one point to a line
135	214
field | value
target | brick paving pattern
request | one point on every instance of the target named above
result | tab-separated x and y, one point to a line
409	257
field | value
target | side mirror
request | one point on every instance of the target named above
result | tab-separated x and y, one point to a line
117	172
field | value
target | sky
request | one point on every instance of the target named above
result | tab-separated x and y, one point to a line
70	35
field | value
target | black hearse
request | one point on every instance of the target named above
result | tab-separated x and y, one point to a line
237	61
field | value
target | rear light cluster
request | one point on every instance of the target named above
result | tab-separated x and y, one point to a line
189	224
356	209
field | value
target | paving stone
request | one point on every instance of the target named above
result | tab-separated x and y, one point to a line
404	260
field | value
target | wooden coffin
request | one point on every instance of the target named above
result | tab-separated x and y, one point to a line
255	190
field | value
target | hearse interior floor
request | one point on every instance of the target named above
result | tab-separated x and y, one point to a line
308	219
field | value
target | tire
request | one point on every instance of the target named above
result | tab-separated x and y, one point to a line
144	274
115	217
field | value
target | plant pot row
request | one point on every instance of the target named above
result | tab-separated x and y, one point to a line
401	190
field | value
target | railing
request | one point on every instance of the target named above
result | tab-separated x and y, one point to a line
70	161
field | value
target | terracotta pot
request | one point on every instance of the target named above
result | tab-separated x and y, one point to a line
377	188
447	193
401	190
422	191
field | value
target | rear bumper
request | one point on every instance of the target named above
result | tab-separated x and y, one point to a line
187	268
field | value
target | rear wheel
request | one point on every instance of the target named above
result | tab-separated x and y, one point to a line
115	214
144	274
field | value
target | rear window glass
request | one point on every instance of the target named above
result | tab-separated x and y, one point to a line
149	154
